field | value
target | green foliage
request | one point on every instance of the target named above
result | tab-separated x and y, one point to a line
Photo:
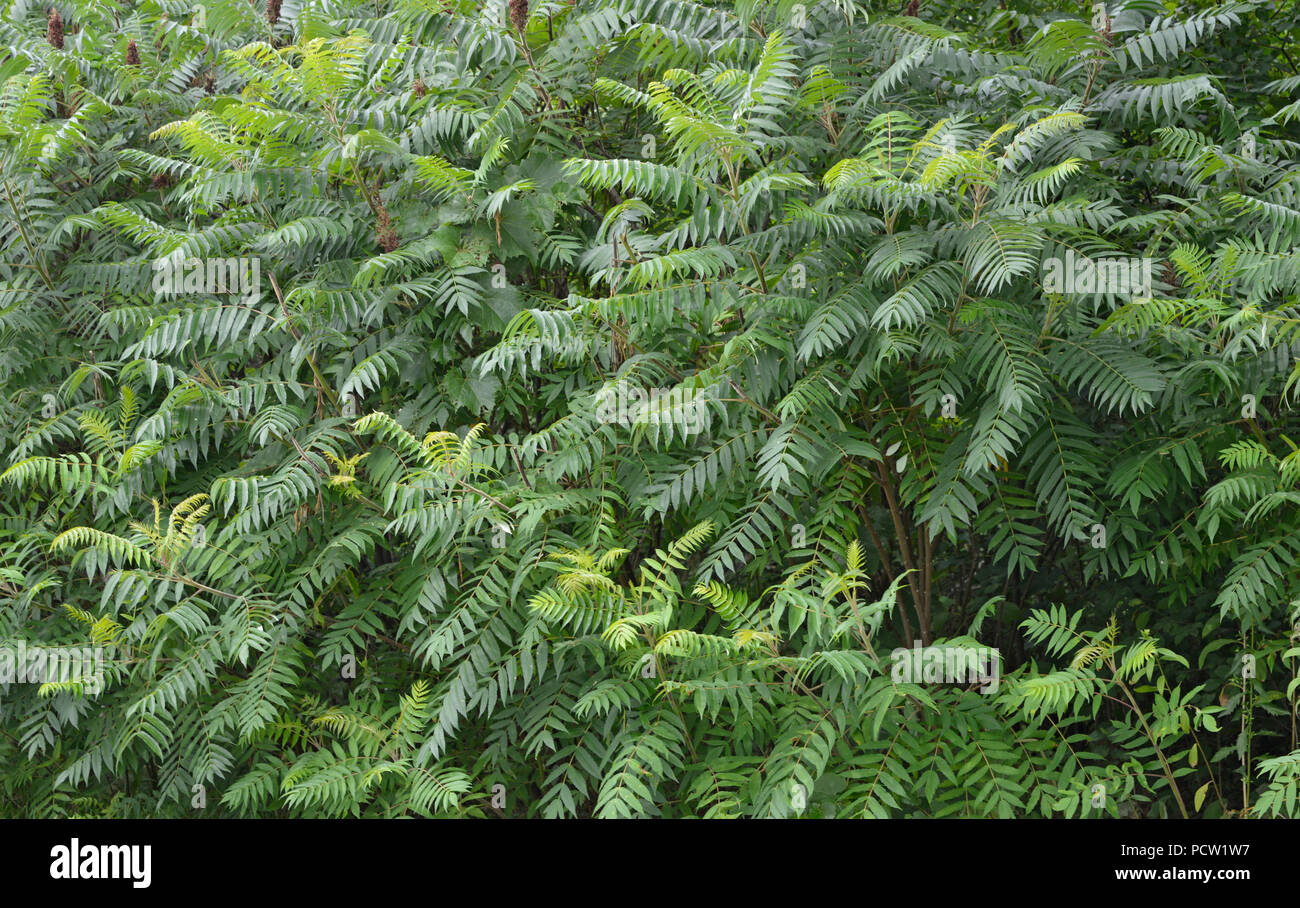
433	414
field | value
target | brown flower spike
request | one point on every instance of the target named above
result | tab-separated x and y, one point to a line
54	32
132	54
273	11
385	234
1171	275
519	15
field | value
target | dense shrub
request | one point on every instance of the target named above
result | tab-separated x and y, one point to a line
650	408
